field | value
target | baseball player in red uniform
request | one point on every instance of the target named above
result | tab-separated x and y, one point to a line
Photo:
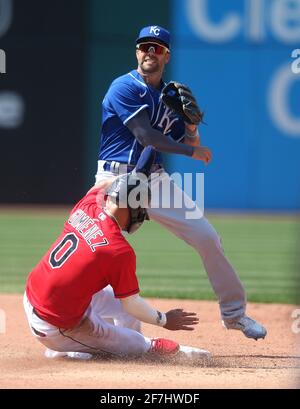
83	295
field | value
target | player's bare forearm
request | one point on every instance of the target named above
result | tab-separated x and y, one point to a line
191	141
192	136
173	320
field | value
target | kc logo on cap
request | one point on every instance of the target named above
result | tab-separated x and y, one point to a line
155	30
150	33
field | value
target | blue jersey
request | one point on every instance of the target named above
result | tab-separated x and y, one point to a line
126	97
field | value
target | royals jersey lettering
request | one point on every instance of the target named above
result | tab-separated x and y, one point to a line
126	97
90	254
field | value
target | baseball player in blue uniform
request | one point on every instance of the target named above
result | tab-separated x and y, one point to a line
135	115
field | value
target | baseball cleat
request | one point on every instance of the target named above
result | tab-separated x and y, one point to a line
49	353
84	356
249	327
163	346
193	353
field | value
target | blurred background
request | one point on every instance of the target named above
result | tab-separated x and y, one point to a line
236	56
61	57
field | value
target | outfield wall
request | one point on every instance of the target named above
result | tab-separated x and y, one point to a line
42	101
237	57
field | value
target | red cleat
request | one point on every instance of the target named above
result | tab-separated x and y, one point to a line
162	346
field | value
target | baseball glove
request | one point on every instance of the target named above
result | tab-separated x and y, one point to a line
180	99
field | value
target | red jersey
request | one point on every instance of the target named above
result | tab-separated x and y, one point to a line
90	253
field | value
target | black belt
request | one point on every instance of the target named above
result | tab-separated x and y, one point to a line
38	333
113	166
37	314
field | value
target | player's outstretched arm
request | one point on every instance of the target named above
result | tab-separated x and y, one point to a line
173	320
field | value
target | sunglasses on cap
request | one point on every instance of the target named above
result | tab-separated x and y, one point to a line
152	47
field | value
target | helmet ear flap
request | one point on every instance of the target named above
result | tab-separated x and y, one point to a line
139	193
118	190
131	191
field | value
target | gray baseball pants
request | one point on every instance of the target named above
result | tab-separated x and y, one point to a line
198	233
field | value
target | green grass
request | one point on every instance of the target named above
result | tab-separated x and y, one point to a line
263	251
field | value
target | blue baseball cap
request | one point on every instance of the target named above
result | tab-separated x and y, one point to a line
154	33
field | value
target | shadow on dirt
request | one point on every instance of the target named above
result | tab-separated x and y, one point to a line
217	361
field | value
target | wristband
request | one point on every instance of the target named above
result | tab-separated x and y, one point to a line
161	319
192	135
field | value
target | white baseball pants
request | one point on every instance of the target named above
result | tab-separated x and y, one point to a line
105	328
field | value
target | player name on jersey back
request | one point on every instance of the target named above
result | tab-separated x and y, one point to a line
88	228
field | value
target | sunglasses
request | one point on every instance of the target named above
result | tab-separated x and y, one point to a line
152	47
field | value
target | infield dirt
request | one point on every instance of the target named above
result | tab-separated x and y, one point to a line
237	362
